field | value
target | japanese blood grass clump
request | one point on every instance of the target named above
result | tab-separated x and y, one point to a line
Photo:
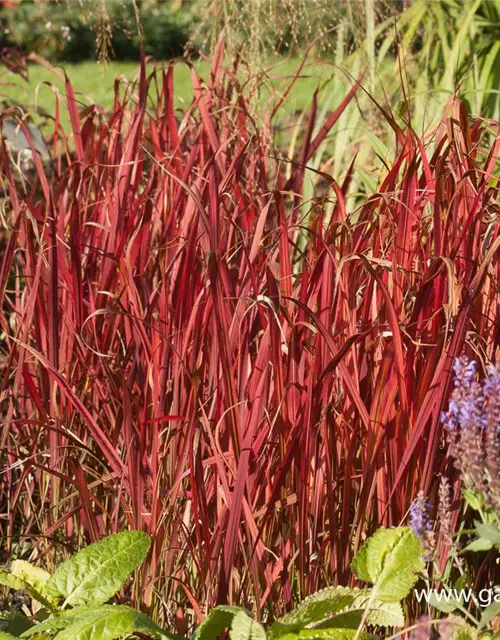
71	603
175	361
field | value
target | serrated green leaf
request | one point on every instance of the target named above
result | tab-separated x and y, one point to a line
243	627
14	582
97	572
390	560
34	576
464	633
473	499
381	614
479	545
289	636
490	612
488	531
351	619
8	580
315	608
446	606
105	623
58	621
331	634
326	634
490	516
337	607
218	619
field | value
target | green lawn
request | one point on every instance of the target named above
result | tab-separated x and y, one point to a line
94	83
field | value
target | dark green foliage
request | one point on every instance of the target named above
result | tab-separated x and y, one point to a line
71	32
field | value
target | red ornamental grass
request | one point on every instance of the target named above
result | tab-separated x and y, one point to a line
172	361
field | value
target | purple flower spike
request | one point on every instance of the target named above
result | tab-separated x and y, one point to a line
421	523
419	517
464	371
472	423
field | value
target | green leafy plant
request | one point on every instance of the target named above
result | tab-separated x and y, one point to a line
390	561
482	621
475	615
70	603
471	424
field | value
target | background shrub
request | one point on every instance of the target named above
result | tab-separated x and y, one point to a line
71	31
166	30
49	31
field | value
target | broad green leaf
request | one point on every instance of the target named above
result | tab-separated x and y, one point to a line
337	607
218	619
490	612
58	621
14	582
9	580
381	614
488	531
474	500
34	576
446	606
479	545
289	636
351	619
110	622
316	608
331	634
7	636
97	572
490	516
390	560
243	627
104	623
464	633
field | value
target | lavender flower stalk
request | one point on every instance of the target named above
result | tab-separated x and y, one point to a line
420	521
444	510
472	423
492	436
